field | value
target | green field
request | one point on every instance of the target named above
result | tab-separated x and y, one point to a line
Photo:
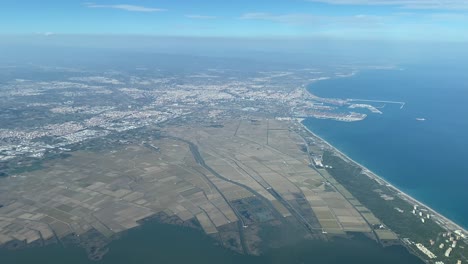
406	225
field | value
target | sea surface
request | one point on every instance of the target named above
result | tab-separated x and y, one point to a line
427	159
156	243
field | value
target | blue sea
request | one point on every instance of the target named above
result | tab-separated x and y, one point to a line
427	159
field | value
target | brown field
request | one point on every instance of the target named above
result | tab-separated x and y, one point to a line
112	191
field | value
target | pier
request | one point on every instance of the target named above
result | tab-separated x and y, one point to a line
402	104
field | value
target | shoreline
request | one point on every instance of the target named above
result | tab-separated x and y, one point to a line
447	224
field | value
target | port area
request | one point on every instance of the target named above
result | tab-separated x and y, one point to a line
426	233
339	109
343	117
352	101
366	106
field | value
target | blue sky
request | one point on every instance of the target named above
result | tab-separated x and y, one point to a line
437	20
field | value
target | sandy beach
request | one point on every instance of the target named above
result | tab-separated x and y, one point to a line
447	224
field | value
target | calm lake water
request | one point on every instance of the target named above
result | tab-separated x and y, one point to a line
160	243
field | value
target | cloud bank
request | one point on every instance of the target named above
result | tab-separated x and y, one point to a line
281	18
131	8
200	17
409	4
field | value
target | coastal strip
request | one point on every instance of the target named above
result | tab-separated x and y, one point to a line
445	222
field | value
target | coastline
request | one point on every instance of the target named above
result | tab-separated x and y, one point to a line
447	224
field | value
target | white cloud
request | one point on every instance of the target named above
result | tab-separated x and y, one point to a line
310	19
448	16
46	34
132	8
409	4
282	18
200	17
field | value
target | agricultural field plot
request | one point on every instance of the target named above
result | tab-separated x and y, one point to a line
229	180
111	192
267	155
